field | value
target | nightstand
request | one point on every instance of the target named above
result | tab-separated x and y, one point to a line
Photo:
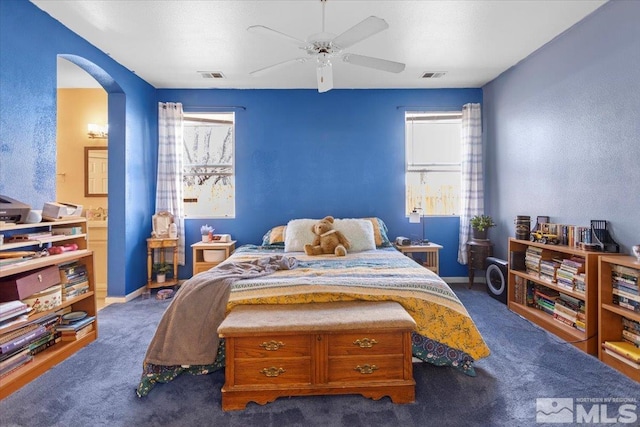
162	244
477	253
431	251
208	255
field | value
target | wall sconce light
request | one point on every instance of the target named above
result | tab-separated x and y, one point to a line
97	131
416	217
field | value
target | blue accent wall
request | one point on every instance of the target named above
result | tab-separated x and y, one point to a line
562	130
302	154
30	41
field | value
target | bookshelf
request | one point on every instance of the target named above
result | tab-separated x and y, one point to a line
61	350
611	316
520	280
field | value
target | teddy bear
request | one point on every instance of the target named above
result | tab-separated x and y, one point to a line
327	240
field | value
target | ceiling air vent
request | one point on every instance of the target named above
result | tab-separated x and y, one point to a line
433	74
211	74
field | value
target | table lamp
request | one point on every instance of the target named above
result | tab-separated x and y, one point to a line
416	217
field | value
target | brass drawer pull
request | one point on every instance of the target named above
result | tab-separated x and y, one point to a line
366	369
272	371
365	342
272	345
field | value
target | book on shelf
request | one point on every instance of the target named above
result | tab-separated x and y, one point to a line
21	338
624	348
625	274
15	362
12	309
626	303
76	335
74	326
621	358
631	337
579	282
631	325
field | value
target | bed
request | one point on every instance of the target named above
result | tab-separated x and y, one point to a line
445	334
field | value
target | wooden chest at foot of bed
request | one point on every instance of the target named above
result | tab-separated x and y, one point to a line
357	347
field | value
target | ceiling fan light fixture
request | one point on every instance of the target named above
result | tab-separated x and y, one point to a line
324	74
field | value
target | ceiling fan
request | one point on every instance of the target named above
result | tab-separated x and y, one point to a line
326	46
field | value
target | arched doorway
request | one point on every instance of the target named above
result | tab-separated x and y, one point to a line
84	98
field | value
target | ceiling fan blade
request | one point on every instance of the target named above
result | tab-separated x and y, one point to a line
370	62
276	66
361	31
324	73
261	30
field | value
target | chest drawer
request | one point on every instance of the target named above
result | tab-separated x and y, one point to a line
272	371
365	343
366	368
268	346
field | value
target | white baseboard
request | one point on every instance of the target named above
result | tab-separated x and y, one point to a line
133	295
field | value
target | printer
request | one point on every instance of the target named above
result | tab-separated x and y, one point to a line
12	210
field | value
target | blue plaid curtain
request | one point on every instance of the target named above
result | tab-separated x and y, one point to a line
472	188
169	181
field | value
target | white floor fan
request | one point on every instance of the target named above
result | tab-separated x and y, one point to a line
325	47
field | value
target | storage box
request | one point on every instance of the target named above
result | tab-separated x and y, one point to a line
21	286
46	300
213	255
57	210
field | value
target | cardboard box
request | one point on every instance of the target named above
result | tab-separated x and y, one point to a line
21	286
58	210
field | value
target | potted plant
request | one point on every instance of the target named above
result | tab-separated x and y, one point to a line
207	233
161	269
480	225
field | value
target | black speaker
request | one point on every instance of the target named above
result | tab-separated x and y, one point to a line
496	275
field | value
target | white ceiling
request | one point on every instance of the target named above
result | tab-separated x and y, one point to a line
167	42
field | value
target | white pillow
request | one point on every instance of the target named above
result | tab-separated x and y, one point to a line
358	231
299	233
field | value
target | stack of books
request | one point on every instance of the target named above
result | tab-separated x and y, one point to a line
74	330
19	345
625	287
631	331
74	279
548	268
569	269
580	285
13	312
545	299
532	258
570	311
623	351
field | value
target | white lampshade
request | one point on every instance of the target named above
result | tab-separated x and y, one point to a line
414	217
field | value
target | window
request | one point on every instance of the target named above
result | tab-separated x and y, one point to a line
433	174
208	177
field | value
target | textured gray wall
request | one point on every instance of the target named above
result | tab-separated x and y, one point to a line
562	130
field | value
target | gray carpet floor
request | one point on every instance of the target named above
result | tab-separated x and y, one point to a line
95	387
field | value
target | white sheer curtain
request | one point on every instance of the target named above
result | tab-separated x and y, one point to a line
472	187
169	181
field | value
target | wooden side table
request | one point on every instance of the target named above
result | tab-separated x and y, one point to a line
222	252
431	251
477	253
162	244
